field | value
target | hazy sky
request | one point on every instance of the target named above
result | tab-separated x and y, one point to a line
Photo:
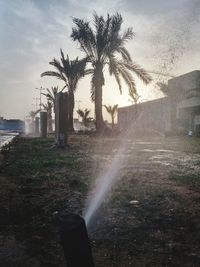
32	32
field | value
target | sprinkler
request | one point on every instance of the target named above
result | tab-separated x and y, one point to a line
75	241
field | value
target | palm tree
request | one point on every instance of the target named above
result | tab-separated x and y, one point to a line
135	99
134	96
112	110
48	108
84	115
32	114
51	95
102	47
70	72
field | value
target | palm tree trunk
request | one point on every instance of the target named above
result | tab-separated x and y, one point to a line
112	122
71	111
98	83
50	129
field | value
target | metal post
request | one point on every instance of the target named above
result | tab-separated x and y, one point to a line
40	89
75	241
36	103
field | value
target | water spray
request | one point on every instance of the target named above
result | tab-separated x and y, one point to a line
108	177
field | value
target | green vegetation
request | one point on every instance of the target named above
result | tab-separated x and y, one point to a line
112	111
104	46
191	179
153	210
36	180
84	114
70	72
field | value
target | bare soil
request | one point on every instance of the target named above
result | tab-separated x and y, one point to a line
151	217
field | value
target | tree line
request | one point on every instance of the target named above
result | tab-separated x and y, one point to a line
103	45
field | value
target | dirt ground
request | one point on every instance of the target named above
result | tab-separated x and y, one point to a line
151	217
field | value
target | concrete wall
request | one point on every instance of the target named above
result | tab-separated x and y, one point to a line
176	113
182	84
148	115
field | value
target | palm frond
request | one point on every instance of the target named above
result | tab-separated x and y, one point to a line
80	113
53	74
111	109
114	70
85	37
127	35
124	53
140	72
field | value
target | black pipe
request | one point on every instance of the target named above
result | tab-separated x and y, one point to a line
75	241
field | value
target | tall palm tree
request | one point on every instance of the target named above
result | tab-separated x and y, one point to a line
112	110
70	72
48	108
84	115
102	47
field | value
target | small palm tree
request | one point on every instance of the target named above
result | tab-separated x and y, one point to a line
32	114
51	95
102	47
112	110
70	72
135	100
84	115
48	108
134	96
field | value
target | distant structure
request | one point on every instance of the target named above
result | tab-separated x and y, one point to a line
178	112
12	125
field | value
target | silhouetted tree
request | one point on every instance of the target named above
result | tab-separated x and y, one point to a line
134	97
51	95
135	100
112	110
69	71
102	47
32	114
84	115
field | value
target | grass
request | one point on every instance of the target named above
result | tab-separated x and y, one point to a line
36	156
35	181
191	179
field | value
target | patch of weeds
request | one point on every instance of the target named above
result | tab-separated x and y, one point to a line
190	145
78	185
165	195
191	179
35	156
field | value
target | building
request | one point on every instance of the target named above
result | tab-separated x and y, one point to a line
179	112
